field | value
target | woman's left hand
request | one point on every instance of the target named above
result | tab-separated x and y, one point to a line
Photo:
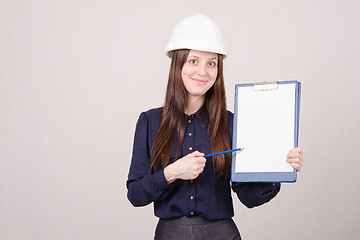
295	158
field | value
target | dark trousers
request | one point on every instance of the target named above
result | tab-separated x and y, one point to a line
196	228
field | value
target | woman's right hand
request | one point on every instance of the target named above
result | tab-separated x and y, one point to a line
186	168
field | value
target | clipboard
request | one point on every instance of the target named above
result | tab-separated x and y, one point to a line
266	124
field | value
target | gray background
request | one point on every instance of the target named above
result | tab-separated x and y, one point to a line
75	75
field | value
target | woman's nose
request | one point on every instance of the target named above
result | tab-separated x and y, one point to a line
202	70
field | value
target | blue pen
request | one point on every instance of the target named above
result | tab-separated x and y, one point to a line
229	151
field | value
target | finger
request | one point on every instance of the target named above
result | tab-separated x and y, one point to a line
296	166
196	172
198	165
290	160
198	154
201	168
293	155
200	160
296	150
300	150
295	160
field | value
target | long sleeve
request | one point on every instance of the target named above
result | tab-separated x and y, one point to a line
255	194
144	186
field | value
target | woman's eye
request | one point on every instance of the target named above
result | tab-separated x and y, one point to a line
212	64
193	61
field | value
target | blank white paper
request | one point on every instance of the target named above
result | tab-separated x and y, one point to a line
265	128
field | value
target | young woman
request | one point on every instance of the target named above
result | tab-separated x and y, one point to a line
192	194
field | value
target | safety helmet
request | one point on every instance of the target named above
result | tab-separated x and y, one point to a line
197	32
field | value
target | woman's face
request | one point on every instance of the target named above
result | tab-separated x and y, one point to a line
199	72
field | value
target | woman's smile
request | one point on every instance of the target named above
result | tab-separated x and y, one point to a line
199	81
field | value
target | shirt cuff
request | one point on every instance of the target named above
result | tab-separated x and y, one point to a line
269	190
161	181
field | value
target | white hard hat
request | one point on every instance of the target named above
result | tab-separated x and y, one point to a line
197	32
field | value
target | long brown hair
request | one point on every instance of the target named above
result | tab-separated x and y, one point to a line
173	117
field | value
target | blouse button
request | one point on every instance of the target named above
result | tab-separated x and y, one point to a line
192	197
192	213
190	148
190	134
191	180
189	121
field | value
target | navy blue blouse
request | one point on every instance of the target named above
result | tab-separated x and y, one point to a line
208	195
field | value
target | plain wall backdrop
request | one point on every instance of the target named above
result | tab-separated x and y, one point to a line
76	74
